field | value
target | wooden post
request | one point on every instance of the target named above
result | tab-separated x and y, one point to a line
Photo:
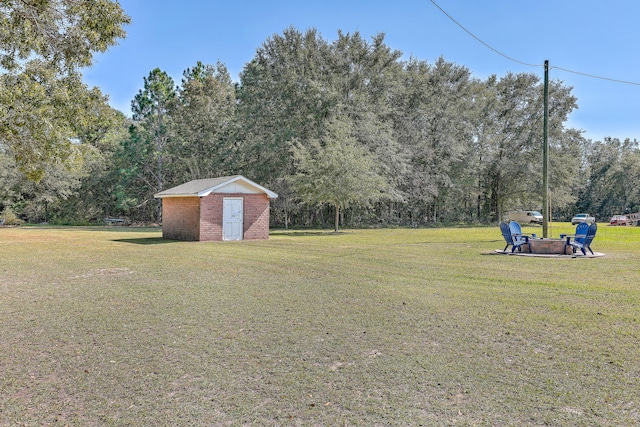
545	155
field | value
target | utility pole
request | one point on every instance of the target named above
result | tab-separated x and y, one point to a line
545	155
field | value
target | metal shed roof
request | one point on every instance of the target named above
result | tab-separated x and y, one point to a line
204	187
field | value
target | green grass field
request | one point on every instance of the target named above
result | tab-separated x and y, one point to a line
115	326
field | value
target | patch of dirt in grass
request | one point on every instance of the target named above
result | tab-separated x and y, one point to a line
105	272
576	411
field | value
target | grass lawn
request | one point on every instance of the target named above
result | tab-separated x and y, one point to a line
115	326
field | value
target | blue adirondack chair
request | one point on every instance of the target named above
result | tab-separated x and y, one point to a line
585	234
581	233
513	236
519	239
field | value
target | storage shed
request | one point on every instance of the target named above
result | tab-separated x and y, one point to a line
224	208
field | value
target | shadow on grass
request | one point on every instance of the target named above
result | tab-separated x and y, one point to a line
146	241
108	228
307	233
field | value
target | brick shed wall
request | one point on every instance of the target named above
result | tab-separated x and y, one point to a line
211	217
256	216
180	218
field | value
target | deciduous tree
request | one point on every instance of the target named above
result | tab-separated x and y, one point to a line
434	127
43	46
337	170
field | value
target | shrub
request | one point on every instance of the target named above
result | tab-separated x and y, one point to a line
9	218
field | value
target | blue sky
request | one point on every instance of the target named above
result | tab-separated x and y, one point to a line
592	37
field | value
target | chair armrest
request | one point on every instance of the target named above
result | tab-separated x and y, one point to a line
575	243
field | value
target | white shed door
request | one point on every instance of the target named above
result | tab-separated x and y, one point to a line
232	218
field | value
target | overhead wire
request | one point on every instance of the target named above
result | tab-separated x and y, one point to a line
525	63
478	39
596	77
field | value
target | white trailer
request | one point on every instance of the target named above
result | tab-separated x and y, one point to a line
634	218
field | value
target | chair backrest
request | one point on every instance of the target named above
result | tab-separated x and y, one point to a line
582	229
506	232
591	233
516	232
515	228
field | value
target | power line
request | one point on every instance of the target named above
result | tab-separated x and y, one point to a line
525	63
478	39
597	77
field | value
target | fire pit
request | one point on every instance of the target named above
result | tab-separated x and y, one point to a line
548	246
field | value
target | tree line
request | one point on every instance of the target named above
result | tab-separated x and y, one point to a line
345	131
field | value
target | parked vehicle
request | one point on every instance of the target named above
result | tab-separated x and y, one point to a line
634	218
526	217
582	217
619	220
